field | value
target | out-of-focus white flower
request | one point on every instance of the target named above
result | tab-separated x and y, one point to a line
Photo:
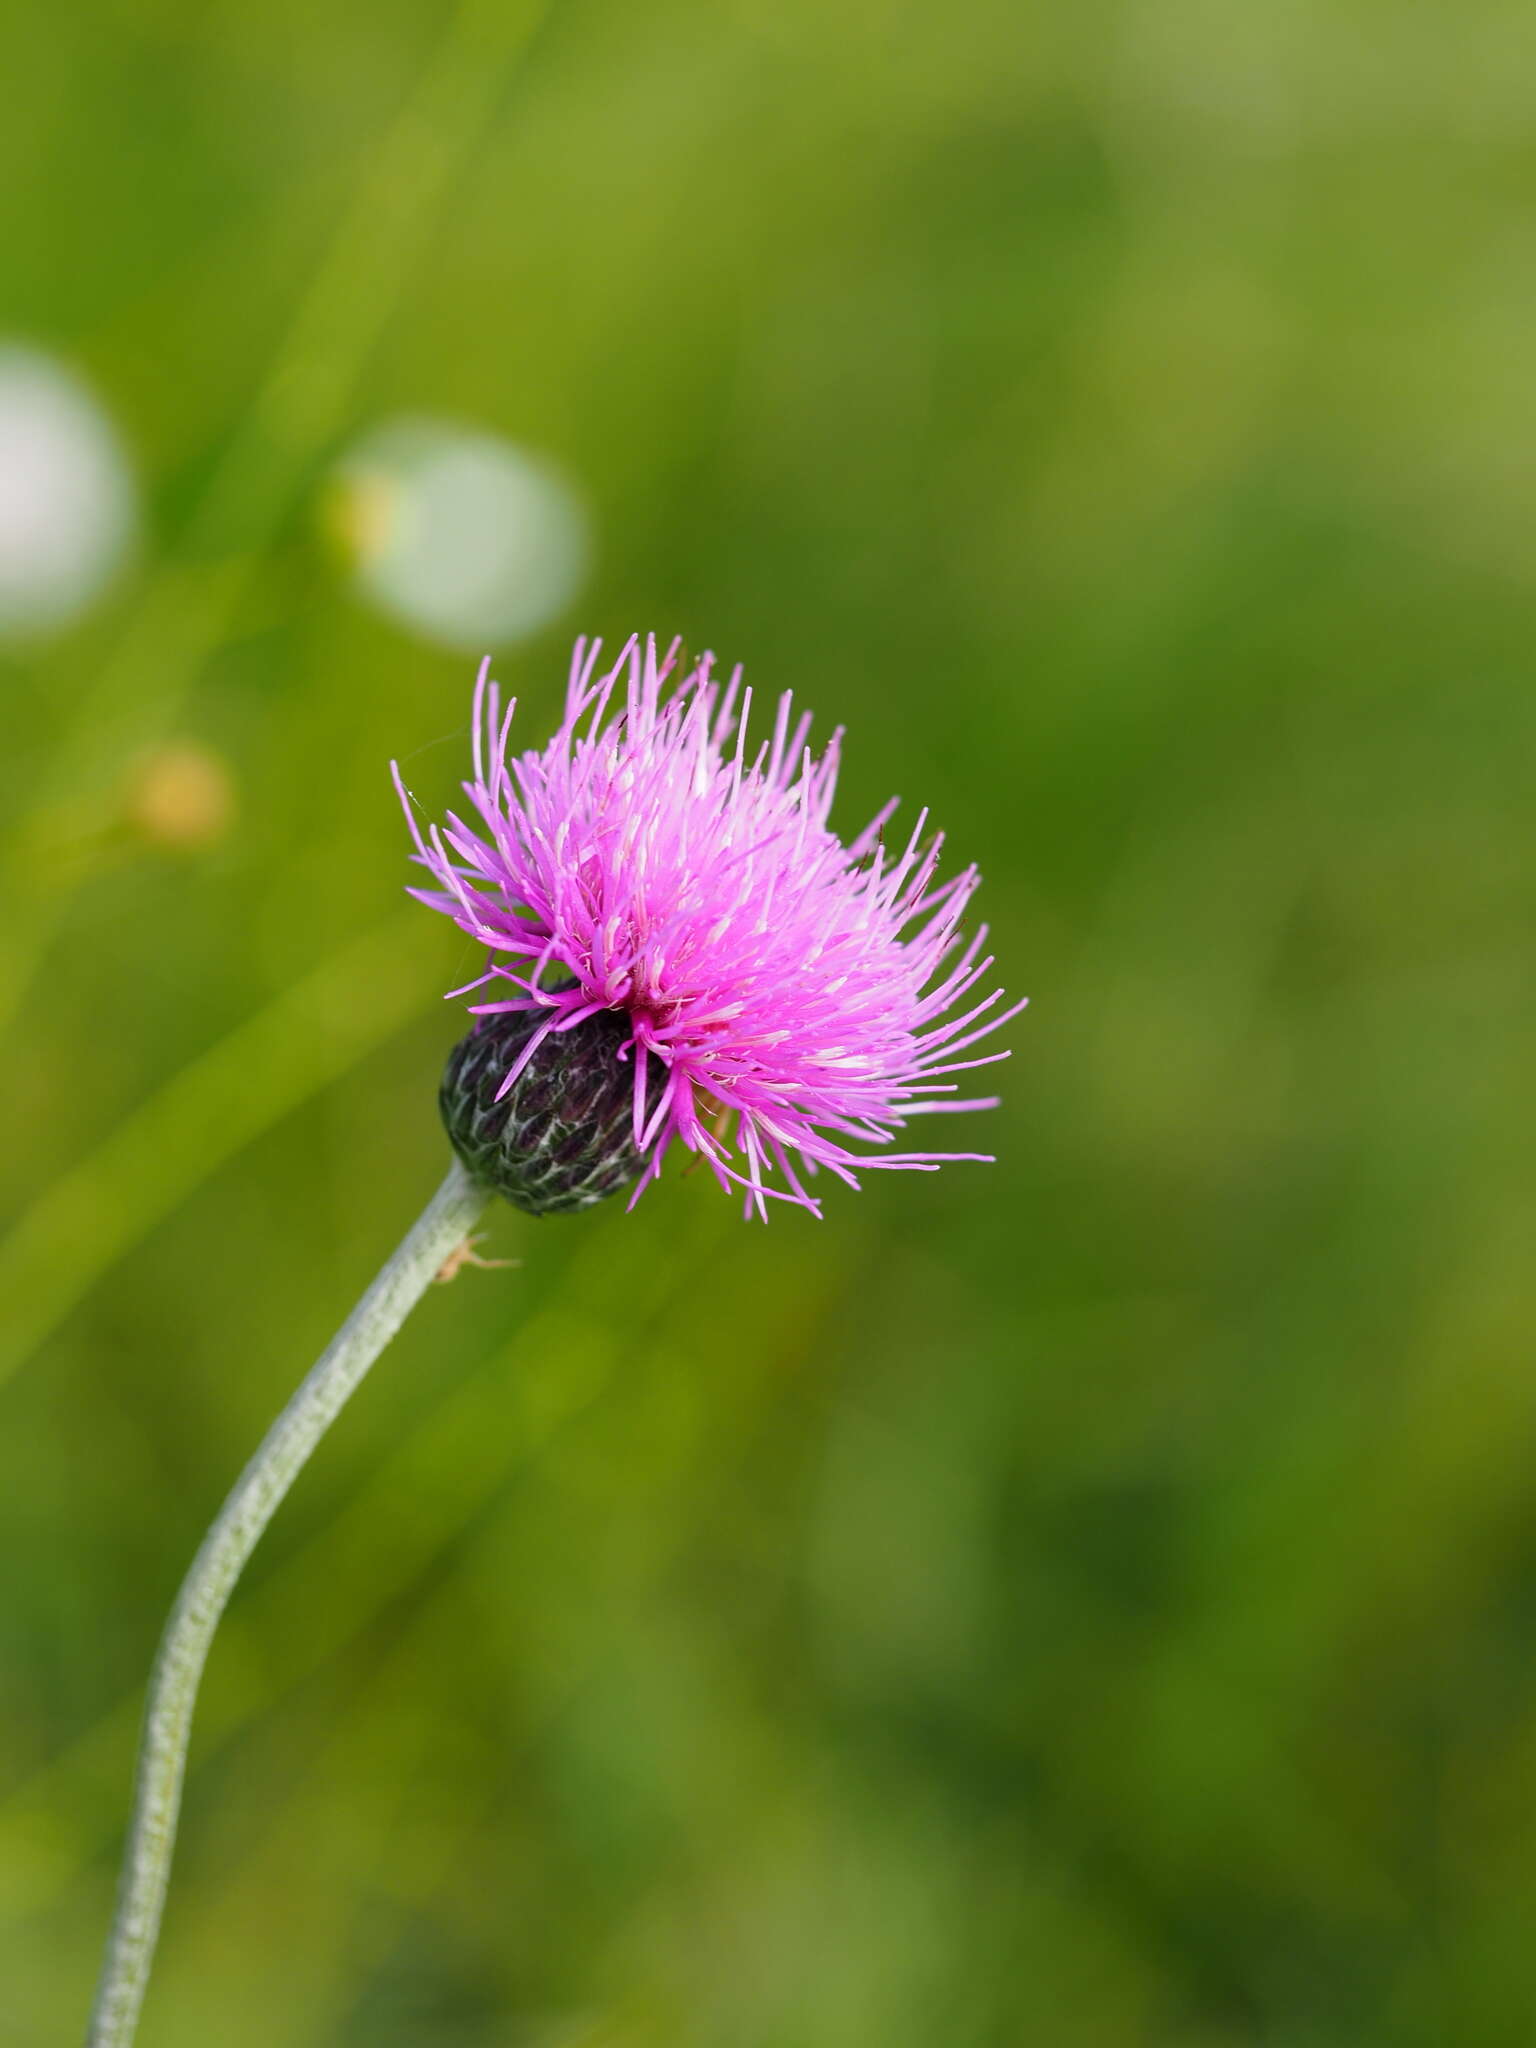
457	532
68	507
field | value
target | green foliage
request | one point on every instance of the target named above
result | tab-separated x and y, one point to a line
1086	1600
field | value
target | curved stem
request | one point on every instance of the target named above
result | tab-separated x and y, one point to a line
437	1232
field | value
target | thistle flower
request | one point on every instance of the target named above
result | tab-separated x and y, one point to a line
700	961
689	953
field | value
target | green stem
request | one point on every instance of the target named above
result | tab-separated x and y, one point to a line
438	1231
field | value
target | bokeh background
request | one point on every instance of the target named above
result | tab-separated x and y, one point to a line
1088	1601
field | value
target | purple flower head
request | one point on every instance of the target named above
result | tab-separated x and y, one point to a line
784	999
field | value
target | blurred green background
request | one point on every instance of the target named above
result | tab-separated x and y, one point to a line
1087	1601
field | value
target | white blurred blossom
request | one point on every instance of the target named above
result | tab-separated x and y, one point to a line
458	533
68	505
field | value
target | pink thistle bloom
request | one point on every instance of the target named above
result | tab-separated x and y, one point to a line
770	982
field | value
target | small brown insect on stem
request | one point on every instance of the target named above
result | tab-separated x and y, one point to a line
464	1255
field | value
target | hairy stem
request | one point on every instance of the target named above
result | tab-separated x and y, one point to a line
438	1231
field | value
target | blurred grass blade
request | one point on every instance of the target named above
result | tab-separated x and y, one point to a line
84	1221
